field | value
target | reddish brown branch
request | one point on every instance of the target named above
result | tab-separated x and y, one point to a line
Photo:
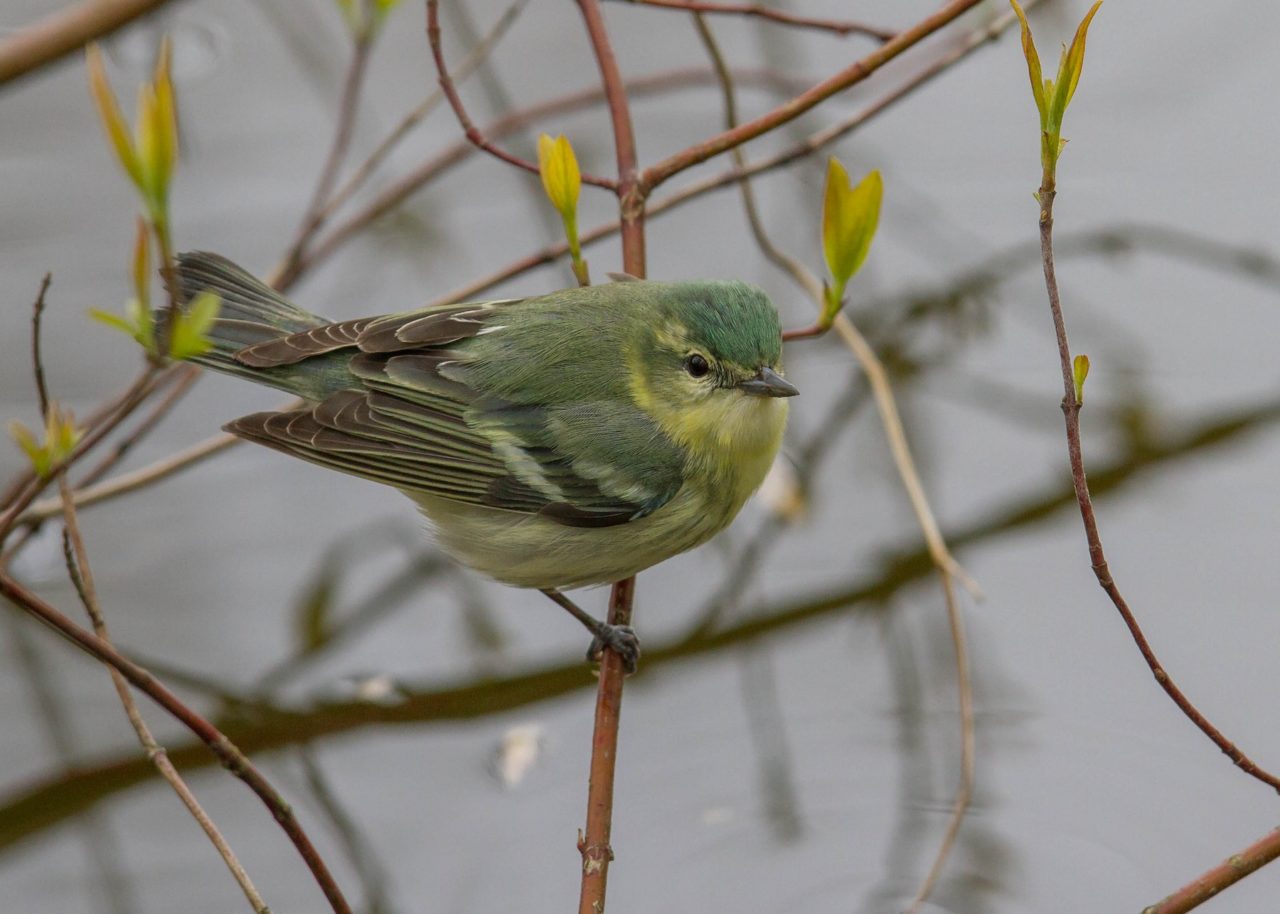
788	111
77	561
396	193
231	758
840	27
594	844
1223	876
631	195
1098	559
469	129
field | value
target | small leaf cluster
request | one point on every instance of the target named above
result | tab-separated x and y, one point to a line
151	154
850	216
1054	95
149	159
188	327
61	435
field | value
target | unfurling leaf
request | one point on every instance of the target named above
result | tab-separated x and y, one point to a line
60	438
849	219
560	176
112	118
1039	85
136	322
1070	65
562	181
150	156
1080	371
189	335
25	440
162	156
1054	95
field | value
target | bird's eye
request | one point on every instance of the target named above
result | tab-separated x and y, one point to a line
697	366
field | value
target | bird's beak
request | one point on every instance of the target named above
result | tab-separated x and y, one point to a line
768	383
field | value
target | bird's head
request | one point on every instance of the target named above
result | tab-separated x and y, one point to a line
709	366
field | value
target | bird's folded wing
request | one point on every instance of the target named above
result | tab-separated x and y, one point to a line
392	333
409	425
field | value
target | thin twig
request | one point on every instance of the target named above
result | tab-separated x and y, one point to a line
840	27
77	558
343	130
1226	874
37	361
1098	559
131	482
771	251
107	411
116	890
34	46
372	874
883	392
119	410
788	111
182	383
503	126
469	64
594	844
469	129
795	153
226	752
948	570
631	194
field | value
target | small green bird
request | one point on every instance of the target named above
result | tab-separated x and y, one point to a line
553	442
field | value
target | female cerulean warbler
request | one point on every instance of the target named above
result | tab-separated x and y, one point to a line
569	439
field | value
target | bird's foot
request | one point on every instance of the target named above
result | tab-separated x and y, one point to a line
621	639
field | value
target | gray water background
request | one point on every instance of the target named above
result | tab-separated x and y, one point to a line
812	769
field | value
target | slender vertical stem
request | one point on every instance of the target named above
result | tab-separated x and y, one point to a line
37	363
631	195
594	843
1097	558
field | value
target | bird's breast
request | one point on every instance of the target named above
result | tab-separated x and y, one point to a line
733	441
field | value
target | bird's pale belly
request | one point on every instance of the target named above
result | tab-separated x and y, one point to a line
531	551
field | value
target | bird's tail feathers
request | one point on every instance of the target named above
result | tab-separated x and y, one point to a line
251	312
